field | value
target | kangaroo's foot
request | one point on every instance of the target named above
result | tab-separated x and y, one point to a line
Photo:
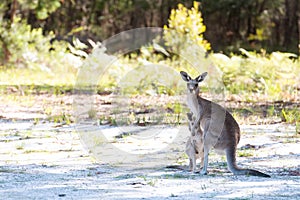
203	172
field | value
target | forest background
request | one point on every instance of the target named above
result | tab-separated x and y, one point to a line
255	44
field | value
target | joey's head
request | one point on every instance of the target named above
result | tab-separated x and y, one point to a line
192	84
191	121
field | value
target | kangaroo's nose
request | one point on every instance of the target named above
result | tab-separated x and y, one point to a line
191	87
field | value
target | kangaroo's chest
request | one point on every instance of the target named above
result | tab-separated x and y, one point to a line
193	104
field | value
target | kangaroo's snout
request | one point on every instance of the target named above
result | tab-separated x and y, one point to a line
192	87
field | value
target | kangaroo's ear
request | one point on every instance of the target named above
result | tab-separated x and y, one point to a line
185	76
201	77
190	116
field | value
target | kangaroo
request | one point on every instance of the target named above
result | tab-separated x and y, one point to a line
194	145
220	129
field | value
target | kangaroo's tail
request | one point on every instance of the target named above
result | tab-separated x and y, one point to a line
176	167
231	162
253	172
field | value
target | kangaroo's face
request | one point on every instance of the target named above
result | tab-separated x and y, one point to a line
191	124
192	84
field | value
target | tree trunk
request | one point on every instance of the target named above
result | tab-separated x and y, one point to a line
290	24
13	10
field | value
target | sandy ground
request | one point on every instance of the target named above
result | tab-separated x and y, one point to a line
46	161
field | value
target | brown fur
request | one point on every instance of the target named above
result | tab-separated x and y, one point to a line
220	129
194	145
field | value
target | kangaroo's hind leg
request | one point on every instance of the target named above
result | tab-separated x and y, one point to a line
207	145
205	161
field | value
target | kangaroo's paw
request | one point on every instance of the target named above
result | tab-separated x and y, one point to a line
203	172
